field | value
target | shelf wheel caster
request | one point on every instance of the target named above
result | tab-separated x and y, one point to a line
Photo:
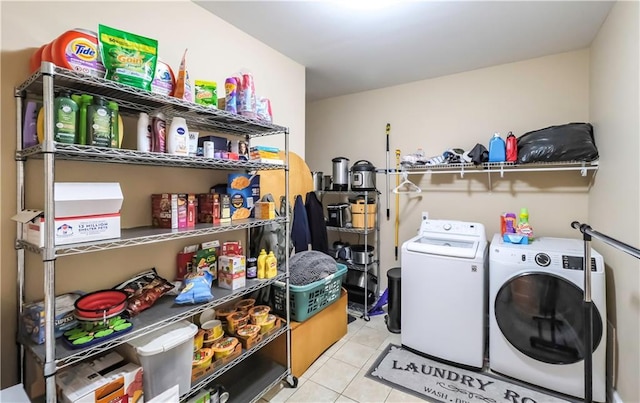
366	317
292	381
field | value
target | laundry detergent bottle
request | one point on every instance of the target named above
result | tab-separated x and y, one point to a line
497	149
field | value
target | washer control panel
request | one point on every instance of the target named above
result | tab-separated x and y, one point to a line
576	263
452	228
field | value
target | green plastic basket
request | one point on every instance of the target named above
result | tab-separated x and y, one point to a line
307	300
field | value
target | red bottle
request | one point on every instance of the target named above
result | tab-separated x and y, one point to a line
512	148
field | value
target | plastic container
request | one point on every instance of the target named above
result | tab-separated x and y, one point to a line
245	304
66	115
144	133
249	331
236	321
497	149
262	264
202	358
267	324
271	265
115	133
158	133
77	50
259	314
166	356
98	123
307	300
178	137
512	148
223	348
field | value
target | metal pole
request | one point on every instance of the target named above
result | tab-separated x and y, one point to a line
19	250
386	173
586	229
48	253
365	313
588	320
286	247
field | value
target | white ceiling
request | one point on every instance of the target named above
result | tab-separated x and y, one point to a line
347	50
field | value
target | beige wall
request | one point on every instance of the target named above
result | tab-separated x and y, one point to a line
614	202
216	50
459	111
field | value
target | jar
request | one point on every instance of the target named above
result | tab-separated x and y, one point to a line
252	268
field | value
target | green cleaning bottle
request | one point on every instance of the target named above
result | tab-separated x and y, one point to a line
115	133
65	118
85	101
98	123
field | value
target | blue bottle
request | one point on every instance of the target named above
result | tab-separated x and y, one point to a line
497	149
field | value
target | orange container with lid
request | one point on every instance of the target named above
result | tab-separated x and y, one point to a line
77	50
36	59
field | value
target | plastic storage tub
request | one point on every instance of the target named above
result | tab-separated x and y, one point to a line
166	356
307	300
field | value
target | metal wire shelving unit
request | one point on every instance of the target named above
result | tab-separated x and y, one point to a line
356	308
53	354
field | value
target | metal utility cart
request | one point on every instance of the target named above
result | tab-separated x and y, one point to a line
369	267
258	373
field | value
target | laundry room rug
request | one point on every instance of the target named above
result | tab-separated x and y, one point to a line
438	382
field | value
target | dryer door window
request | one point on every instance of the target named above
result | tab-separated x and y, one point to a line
542	316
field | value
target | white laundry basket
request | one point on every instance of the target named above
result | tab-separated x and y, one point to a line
166	356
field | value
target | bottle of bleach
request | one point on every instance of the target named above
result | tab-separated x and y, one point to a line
497	149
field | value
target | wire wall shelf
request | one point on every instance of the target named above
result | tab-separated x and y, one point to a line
133	100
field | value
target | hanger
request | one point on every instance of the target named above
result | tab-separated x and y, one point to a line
406	186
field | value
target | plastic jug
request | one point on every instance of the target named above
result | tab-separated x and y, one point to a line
512	148
497	149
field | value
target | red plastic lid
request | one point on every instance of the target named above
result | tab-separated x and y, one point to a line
100	303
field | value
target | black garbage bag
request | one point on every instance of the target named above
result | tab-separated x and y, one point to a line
569	142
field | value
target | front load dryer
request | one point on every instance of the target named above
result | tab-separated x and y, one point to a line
536	314
444	292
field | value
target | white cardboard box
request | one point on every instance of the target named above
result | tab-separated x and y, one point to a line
108	379
84	212
231	272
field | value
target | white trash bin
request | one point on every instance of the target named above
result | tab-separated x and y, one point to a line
166	356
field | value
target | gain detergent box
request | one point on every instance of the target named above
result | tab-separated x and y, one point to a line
244	191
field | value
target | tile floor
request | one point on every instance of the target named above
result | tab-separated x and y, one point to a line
338	375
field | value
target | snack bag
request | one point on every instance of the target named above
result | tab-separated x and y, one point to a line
197	288
128	58
183	89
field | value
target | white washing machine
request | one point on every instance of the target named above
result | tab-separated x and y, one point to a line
536	314
444	291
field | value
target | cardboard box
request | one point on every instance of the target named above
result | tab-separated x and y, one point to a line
208	208
173	210
265	210
84	211
231	272
312	337
244	191
108	379
68	230
33	315
219	143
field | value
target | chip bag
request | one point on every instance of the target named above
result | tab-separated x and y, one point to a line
128	58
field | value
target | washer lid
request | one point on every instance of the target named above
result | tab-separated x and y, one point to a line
444	247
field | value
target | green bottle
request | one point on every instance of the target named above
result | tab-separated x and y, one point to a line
65	116
98	123
85	101
115	132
